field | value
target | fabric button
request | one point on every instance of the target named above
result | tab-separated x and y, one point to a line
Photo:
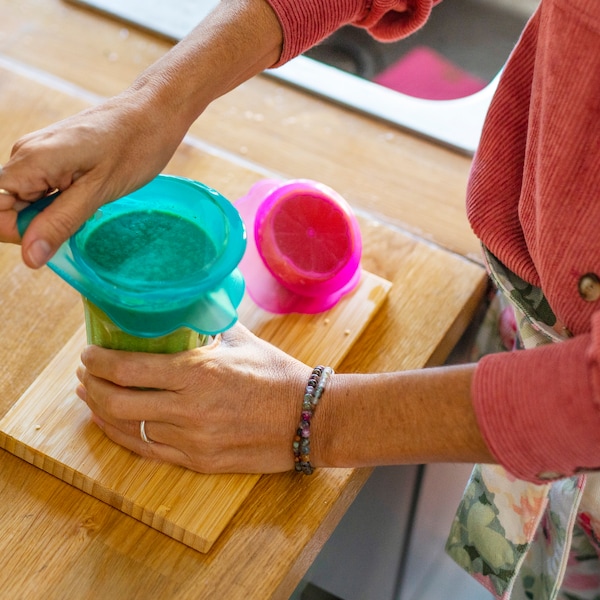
545	475
589	287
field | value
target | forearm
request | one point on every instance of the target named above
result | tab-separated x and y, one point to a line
394	418
238	40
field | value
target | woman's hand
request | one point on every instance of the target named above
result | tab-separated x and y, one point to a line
232	406
94	157
112	149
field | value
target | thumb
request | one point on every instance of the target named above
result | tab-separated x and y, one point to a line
55	224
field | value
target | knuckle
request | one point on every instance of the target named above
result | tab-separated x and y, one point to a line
121	373
112	403
60	224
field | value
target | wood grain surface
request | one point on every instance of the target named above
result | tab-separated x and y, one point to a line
398	177
58	542
50	427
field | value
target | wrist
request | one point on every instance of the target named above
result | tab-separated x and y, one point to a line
331	444
313	394
238	40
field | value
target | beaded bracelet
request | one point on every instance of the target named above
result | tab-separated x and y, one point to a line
313	392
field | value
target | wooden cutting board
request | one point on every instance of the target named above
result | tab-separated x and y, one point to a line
50	427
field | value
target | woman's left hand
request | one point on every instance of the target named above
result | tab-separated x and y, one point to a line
231	406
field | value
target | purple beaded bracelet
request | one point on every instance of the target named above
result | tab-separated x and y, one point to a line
312	394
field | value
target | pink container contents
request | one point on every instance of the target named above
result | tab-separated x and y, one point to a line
304	246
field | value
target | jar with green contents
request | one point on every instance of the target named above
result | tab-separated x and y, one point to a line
157	269
102	331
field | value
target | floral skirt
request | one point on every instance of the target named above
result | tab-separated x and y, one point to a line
521	540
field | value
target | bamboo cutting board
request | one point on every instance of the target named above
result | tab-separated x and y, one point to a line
50	427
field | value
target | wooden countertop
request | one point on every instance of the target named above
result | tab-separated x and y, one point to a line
401	179
58	542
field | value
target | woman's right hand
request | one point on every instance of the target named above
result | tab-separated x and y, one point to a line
114	148
232	406
94	157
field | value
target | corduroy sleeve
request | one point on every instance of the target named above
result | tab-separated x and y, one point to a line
532	200
539	409
306	22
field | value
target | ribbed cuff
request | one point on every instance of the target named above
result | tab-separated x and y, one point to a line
537	409
306	22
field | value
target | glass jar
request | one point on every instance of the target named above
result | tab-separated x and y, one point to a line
102	331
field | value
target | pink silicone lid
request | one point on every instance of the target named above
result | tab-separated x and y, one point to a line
304	246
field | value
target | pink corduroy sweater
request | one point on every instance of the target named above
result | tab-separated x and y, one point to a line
534	201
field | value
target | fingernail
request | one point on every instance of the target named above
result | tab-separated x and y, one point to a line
81	392
39	253
84	354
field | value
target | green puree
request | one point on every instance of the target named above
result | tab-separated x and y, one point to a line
146	246
150	246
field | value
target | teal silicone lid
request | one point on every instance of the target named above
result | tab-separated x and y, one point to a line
128	260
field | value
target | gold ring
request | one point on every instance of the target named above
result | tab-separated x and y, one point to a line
5	192
143	435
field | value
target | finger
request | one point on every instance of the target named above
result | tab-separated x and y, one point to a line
8	218
119	413
8	196
7	199
131	432
119	405
134	442
16	193
142	369
8	227
25	186
163	436
56	223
